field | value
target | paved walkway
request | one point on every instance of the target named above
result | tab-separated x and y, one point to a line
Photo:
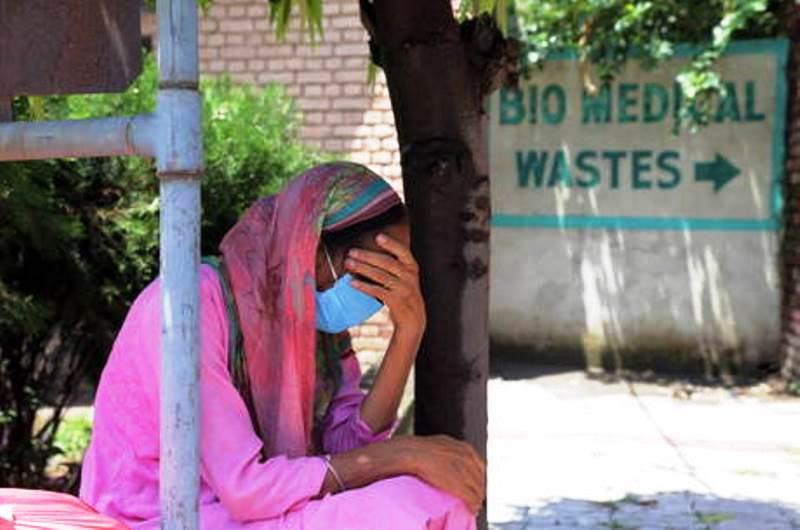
569	453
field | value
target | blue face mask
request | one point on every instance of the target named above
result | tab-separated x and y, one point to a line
343	306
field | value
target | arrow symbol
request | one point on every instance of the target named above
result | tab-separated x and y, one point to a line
720	172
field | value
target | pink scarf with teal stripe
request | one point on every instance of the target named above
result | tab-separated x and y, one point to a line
270	257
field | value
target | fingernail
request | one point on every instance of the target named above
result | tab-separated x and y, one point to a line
349	263
353	253
380	238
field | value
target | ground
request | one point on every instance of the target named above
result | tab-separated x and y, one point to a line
568	451
571	452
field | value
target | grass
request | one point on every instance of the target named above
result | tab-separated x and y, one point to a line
73	438
712	519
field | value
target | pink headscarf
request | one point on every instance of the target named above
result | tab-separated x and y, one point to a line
270	256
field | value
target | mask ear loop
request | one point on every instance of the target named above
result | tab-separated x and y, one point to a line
330	261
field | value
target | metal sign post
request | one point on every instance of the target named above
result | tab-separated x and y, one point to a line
173	136
179	161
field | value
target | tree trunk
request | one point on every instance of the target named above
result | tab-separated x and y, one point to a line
791	240
438	74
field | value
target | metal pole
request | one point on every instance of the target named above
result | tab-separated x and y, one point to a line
131	135
179	163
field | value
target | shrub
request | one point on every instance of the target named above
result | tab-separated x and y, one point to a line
78	240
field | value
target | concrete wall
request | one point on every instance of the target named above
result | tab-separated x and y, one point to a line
668	300
656	267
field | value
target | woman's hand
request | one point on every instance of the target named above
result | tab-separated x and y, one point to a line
450	465
393	278
443	462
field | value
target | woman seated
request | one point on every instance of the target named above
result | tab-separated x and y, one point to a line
288	440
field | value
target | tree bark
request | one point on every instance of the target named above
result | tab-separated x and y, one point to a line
790	250
438	73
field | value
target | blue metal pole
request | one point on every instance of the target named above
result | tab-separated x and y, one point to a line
179	159
130	135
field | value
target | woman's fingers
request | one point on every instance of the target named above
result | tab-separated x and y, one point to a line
377	275
398	248
375	291
382	261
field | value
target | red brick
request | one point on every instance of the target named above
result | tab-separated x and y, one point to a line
313	64
208	25
356	63
353	117
346	22
359	157
383	130
238	52
355	89
257	11
350	8
351	50
313	103
333	90
380	157
216	66
294	63
355	35
351	130
314	118
350	76
333	36
244	77
217	39
276	77
334	118
242	25
382	104
315	131
372	144
313	77
312	90
333	144
216	11
264	25
256	65
351	103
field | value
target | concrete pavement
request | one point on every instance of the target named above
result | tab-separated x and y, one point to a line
569	452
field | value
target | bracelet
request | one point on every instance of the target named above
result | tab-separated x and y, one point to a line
335	474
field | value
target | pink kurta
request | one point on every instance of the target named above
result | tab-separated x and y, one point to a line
120	470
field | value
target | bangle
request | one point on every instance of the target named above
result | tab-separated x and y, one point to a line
335	474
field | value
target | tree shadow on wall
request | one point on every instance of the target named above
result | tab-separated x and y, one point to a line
662	511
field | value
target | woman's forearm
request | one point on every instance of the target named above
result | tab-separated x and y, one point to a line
365	465
379	408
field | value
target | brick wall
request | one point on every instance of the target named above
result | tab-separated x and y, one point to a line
341	113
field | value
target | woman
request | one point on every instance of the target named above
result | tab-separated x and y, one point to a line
287	438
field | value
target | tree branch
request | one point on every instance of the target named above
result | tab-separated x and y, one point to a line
495	58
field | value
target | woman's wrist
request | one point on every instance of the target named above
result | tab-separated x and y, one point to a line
407	337
401	459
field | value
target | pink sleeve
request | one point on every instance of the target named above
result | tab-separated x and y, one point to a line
342	428
229	448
